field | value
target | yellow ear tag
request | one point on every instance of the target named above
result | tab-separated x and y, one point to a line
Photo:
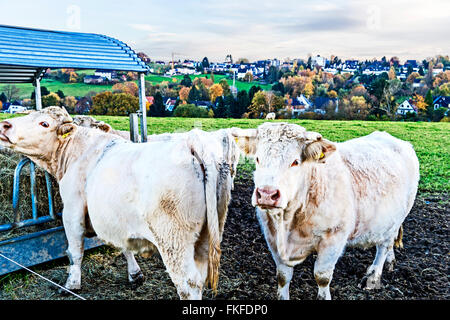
65	135
236	139
321	156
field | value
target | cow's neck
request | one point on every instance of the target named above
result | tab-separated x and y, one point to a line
69	150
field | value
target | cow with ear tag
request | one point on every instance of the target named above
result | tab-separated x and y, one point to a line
316	196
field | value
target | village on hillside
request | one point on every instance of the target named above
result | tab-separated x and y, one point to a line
313	88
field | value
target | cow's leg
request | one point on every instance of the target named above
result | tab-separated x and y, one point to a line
373	273
135	275
177	250
328	253
74	227
284	276
390	259
183	271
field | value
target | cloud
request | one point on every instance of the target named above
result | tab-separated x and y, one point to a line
142	27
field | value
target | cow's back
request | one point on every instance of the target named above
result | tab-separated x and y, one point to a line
140	187
384	173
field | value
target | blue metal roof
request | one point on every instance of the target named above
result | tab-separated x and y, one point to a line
25	52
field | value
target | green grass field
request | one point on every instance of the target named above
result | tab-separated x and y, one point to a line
81	89
430	140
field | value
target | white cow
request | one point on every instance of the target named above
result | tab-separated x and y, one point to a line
172	193
313	195
271	116
90	122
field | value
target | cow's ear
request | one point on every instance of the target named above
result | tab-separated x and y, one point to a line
318	149
245	139
104	127
66	129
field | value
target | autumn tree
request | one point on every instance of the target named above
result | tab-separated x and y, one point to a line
242	60
412	77
248	77
69	102
184	94
419	102
332	94
391	73
52	99
128	87
259	105
215	91
225	87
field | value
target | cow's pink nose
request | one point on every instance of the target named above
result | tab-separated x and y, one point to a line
267	196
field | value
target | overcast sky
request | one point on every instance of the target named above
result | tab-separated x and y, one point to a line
260	29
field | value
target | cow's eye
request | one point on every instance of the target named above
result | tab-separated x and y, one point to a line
295	163
257	160
44	124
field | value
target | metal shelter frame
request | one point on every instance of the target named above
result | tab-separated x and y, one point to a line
25	54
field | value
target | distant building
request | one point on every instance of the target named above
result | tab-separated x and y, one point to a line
228	59
441	102
322	103
93	79
204	104
107	74
150	99
436	71
405	107
300	105
318	61
169	103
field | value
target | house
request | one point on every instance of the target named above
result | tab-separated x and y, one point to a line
405	107
321	104
93	79
242	71
318	61
15	109
204	104
169	103
436	71
300	105
418	83
376	68
410	64
107	74
441	102
350	66
150	99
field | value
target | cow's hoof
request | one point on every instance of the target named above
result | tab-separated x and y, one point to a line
63	292
372	283
390	266
136	279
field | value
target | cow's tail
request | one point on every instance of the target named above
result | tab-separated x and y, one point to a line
210	179
398	243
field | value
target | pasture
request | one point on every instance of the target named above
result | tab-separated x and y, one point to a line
247	269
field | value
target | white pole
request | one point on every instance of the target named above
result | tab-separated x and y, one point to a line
37	91
143	107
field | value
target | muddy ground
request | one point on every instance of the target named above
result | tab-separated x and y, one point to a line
247	268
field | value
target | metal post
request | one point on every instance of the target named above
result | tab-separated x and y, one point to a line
37	90
134	127
143	107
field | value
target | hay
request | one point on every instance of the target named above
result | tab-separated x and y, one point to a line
8	163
